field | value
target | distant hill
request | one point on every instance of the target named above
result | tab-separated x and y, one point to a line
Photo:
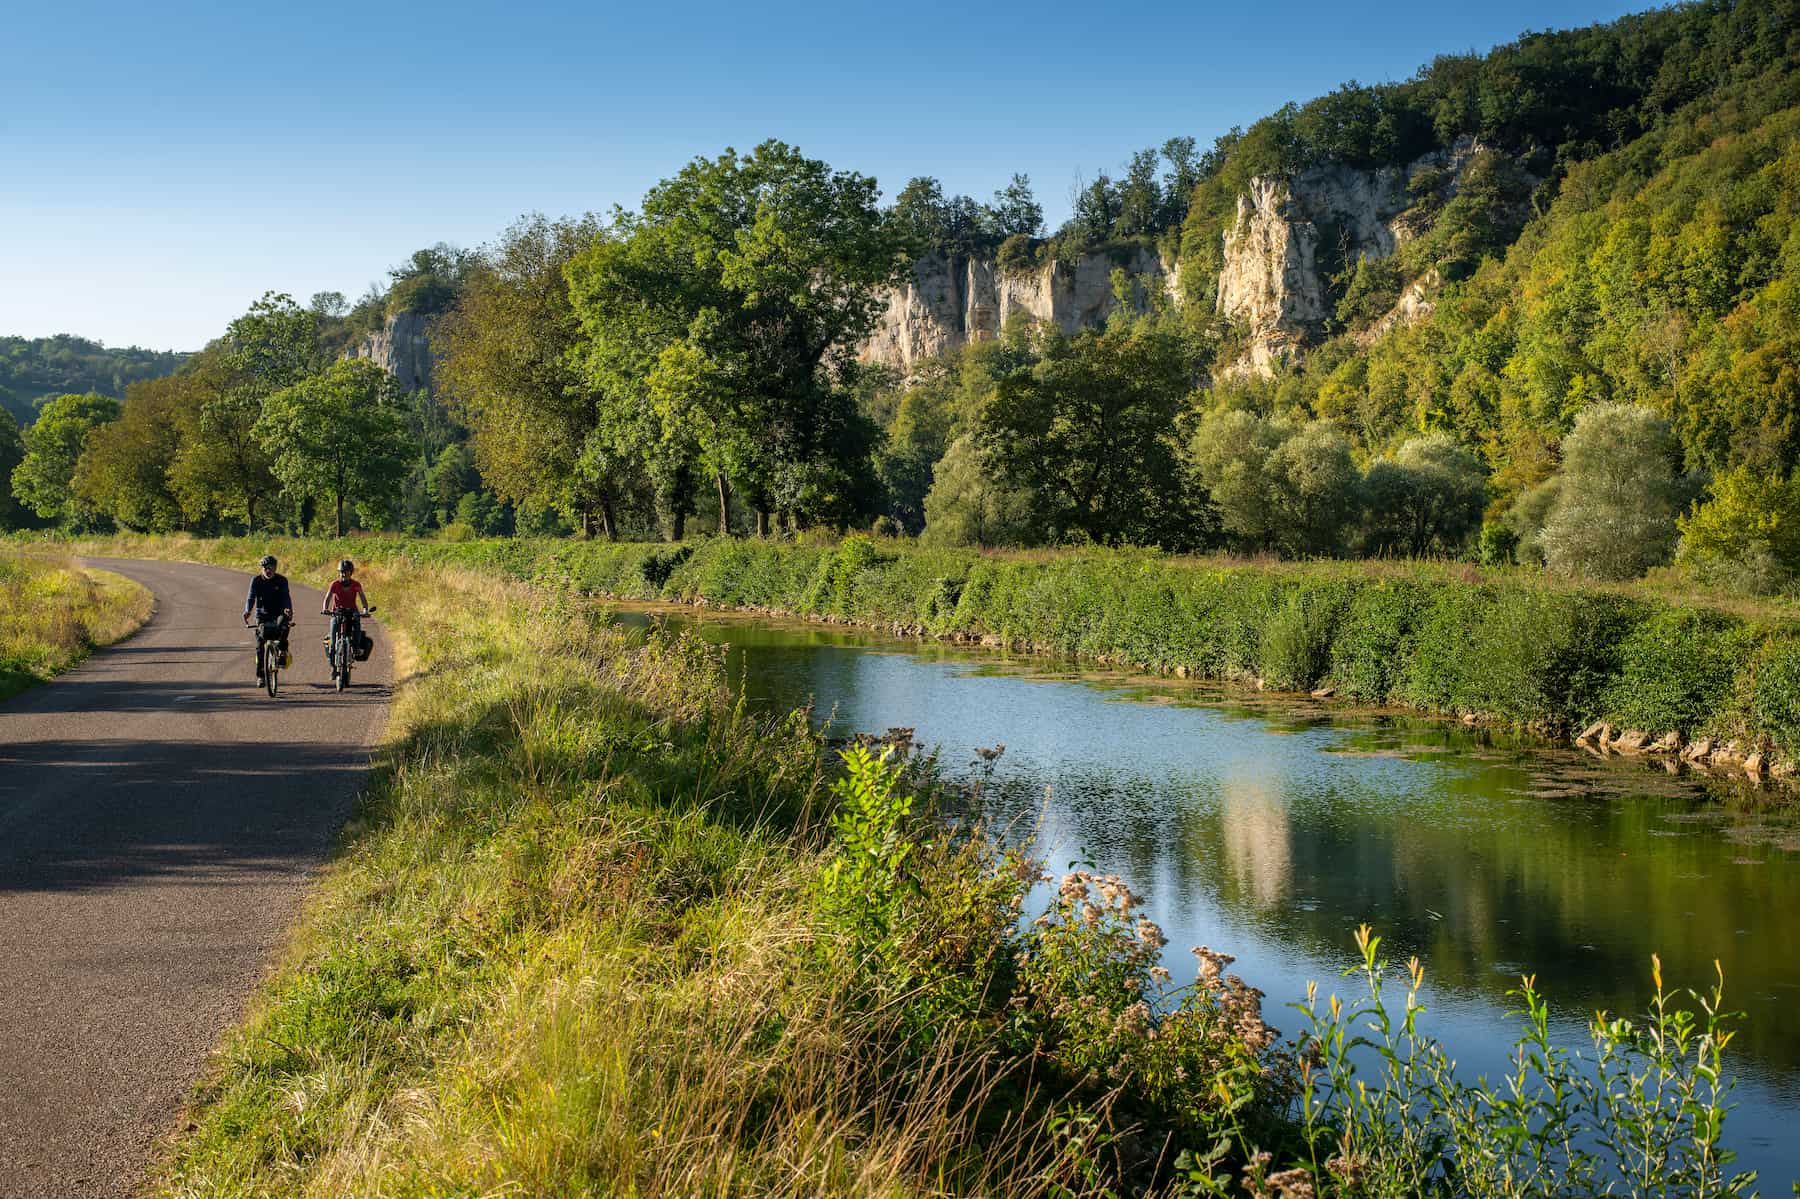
31	368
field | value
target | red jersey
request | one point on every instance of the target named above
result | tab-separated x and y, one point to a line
342	594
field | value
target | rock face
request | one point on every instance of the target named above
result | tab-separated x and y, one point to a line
1293	233
954	300
402	347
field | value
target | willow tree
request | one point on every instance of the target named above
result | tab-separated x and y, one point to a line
720	322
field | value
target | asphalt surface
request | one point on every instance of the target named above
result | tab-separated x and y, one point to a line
160	820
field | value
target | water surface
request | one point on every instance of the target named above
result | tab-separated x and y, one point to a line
1271	828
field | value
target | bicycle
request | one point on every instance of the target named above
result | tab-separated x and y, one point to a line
341	644
269	652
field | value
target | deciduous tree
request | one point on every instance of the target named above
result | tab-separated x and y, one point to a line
339	433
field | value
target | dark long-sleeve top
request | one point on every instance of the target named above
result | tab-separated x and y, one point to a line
268	597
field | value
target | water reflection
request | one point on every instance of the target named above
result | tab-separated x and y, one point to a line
1271	831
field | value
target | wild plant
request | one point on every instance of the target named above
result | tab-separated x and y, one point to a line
1382	1112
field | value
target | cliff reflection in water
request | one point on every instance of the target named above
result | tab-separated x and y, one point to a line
1272	832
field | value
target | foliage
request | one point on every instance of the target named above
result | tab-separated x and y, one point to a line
44	479
1614	515
337	433
508	364
1428	498
38	368
1750	524
721	320
968	505
1087	435
12	452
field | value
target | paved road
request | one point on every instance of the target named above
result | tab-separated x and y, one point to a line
160	819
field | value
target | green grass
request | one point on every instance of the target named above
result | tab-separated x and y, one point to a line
53	614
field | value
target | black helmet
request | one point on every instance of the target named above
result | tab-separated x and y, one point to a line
268	561
345	566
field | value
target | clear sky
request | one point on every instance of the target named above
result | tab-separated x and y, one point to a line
163	164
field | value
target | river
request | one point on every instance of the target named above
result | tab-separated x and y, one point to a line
1271	828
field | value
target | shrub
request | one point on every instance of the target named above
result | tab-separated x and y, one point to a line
1774	700
1614	516
1296	640
1678	670
1368	655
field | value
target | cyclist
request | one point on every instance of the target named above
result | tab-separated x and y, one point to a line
272	606
344	593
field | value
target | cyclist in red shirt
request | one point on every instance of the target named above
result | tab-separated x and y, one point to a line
344	592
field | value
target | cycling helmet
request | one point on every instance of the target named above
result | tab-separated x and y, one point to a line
345	566
268	561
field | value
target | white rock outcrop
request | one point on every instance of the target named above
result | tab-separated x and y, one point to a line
401	347
953	300
1291	232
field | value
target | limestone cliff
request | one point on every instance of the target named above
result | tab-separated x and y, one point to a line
402	347
953	300
1293	233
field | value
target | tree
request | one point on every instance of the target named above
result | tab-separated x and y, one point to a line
1088	433
220	467
1140	201
729	310
1179	180
541	432
1747	531
1016	210
124	469
1315	487
1231	451
968	505
12	452
338	432
1427	498
1614	516
1095	211
43	480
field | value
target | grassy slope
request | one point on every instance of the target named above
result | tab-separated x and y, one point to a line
53	614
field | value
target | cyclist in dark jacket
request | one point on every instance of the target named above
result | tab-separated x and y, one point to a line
272	606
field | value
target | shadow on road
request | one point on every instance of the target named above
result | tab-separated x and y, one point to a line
130	810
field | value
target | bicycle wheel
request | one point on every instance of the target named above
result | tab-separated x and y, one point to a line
340	653
271	665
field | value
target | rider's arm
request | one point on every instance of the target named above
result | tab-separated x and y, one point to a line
362	593
250	599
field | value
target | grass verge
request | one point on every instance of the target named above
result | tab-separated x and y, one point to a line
53	614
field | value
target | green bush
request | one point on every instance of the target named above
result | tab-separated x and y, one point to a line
1374	640
1774	699
1678	670
1297	638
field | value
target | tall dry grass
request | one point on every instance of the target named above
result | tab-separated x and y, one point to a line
53	614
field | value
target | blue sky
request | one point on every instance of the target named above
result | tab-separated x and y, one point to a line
163	164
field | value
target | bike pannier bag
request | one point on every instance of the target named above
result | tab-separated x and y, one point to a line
364	648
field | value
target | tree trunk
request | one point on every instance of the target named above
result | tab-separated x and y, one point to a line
678	524
339	497
586	519
762	525
606	521
249	515
724	505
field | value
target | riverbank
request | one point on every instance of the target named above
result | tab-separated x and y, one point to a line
1628	671
53	614
597	928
